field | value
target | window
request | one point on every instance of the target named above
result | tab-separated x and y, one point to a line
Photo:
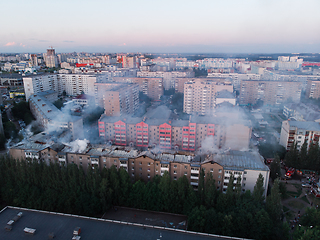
132	168
140	163
174	172
80	158
211	169
157	164
132	163
245	172
219	182
148	164
115	161
219	176
244	179
244	184
220	170
185	167
185	173
140	169
175	166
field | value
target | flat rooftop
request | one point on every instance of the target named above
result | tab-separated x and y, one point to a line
62	225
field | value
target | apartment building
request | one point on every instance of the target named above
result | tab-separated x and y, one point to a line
121	99
51	58
168	77
51	118
144	165
197	133
298	132
152	87
273	93
313	88
301	112
235	78
200	94
73	84
245	166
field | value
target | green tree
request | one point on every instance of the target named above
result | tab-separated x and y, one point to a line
275	168
303	155
273	205
291	158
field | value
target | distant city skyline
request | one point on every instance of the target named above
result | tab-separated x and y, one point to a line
181	26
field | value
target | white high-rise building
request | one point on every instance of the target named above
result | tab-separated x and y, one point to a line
73	84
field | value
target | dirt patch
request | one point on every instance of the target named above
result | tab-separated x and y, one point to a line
147	217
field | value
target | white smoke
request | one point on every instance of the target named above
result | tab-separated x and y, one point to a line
78	145
208	145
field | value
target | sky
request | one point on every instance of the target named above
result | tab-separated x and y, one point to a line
160	26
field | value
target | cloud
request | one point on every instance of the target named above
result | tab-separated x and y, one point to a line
22	45
66	41
43	41
10	44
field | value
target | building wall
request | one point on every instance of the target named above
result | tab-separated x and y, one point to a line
272	93
152	87
189	136
145	168
199	95
250	178
313	89
121	100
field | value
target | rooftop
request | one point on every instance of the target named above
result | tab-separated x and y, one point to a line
238	160
62	225
308	125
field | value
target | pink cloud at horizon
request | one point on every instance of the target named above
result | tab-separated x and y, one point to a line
10	44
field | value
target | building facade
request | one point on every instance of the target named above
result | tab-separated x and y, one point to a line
273	93
198	133
72	84
200	95
298	132
121	99
144	165
152	87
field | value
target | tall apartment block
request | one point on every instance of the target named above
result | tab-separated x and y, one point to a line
168	77
34	60
51	58
298	132
313	89
73	84
273	93
200	94
152	87
121	99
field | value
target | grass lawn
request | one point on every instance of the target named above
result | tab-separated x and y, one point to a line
304	198
296	204
285	209
294	194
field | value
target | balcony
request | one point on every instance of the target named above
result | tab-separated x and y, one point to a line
194	183
124	165
194	178
194	171
95	161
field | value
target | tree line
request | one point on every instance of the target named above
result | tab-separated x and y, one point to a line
304	158
69	190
